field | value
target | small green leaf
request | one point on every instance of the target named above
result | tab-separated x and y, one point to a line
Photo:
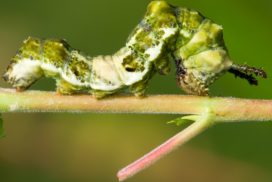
184	120
1	127
180	121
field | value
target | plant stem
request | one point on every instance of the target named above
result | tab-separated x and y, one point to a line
225	109
203	122
222	109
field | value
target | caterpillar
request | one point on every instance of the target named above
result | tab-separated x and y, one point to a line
166	34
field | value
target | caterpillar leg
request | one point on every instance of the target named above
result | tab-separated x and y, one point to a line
99	94
24	68
163	65
65	88
247	72
139	88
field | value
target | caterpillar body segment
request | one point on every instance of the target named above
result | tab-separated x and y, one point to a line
74	72
152	42
166	34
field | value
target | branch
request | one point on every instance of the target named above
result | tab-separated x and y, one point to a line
225	109
219	110
202	123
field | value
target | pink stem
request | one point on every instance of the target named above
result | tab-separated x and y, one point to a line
164	149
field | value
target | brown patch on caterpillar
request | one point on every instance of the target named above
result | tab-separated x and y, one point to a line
188	82
192	86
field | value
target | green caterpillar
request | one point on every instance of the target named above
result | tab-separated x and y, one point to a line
166	34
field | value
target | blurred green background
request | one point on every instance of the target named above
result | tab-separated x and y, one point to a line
92	147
